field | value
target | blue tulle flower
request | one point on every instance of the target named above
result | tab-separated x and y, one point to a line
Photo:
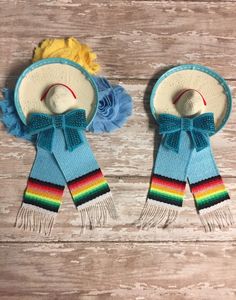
10	118
114	107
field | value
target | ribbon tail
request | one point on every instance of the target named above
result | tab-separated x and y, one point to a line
73	138
45	139
172	141
212	202
200	140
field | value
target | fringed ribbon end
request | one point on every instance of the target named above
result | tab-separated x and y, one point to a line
217	216
156	214
95	213
35	218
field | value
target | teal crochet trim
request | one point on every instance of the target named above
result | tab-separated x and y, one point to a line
204	69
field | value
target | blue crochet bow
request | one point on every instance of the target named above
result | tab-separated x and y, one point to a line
44	125
199	128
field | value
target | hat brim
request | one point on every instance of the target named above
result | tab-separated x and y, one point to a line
41	74
211	85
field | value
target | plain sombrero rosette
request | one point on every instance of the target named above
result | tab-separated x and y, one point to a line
210	90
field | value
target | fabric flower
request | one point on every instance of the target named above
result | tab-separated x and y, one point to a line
114	107
69	48
10	118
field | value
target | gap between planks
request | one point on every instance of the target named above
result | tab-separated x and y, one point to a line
202	242
181	1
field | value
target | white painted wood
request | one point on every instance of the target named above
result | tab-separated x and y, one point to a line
104	271
135	41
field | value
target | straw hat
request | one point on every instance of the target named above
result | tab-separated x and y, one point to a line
59	78
190	90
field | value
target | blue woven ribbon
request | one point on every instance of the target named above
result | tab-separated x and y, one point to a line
72	123
199	129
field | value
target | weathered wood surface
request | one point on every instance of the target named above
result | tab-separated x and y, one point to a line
140	38
172	271
135	41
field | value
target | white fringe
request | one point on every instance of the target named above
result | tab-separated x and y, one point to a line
35	218
95	212
217	216
157	214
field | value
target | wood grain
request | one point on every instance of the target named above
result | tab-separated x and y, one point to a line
176	271
140	38
135	41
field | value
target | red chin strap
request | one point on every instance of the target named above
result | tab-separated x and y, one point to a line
47	90
181	94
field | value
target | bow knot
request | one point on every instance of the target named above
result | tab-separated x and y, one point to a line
186	124
199	128
58	121
72	123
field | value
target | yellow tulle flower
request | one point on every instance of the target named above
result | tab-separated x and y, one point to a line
69	48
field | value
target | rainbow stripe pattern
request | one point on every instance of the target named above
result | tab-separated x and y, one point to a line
209	192
43	194
88	187
166	190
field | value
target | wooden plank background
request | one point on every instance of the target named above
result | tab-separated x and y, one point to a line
135	42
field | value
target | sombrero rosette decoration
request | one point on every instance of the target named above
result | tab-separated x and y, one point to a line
56	100
190	103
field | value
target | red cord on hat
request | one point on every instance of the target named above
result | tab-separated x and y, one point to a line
47	90
181	94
